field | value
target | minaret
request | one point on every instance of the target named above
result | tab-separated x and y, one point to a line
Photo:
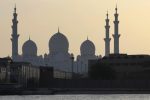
107	39
116	34
14	35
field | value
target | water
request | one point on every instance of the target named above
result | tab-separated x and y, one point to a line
80	97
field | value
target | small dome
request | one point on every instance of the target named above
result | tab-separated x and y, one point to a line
58	43
29	48
87	48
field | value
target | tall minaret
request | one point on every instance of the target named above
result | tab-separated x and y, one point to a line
14	35
116	34
107	39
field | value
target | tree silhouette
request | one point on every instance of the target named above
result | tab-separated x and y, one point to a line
32	83
101	71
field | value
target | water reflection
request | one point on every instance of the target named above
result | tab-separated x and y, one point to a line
79	97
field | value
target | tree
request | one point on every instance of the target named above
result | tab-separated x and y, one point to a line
101	71
32	82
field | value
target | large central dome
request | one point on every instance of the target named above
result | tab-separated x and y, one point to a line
58	43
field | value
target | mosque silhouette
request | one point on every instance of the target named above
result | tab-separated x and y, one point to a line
58	56
61	60
59	70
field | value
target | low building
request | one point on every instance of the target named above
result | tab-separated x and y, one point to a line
17	72
58	74
4	69
24	73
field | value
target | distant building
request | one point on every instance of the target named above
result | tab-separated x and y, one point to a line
17	72
29	54
14	35
107	38
23	72
59	56
116	34
127	66
27	75
87	52
29	48
5	69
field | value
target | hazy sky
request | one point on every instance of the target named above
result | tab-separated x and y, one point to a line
77	19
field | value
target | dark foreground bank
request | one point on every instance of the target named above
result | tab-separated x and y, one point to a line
80	87
74	91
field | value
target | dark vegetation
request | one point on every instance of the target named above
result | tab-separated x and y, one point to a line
102	71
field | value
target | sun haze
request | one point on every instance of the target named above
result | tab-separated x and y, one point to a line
76	19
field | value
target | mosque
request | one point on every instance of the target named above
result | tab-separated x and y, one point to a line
58	56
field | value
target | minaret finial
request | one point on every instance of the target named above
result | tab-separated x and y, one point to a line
116	8
107	14
29	37
15	9
58	29
87	38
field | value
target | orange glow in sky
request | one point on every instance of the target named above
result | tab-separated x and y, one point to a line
77	19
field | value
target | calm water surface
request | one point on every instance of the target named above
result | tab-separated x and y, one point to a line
79	97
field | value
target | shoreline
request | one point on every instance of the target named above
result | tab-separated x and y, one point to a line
75	92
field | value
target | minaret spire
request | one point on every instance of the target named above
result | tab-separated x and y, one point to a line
107	38
14	35
116	34
58	29
15	9
107	14
116	9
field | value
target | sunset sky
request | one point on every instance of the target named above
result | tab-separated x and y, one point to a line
77	19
